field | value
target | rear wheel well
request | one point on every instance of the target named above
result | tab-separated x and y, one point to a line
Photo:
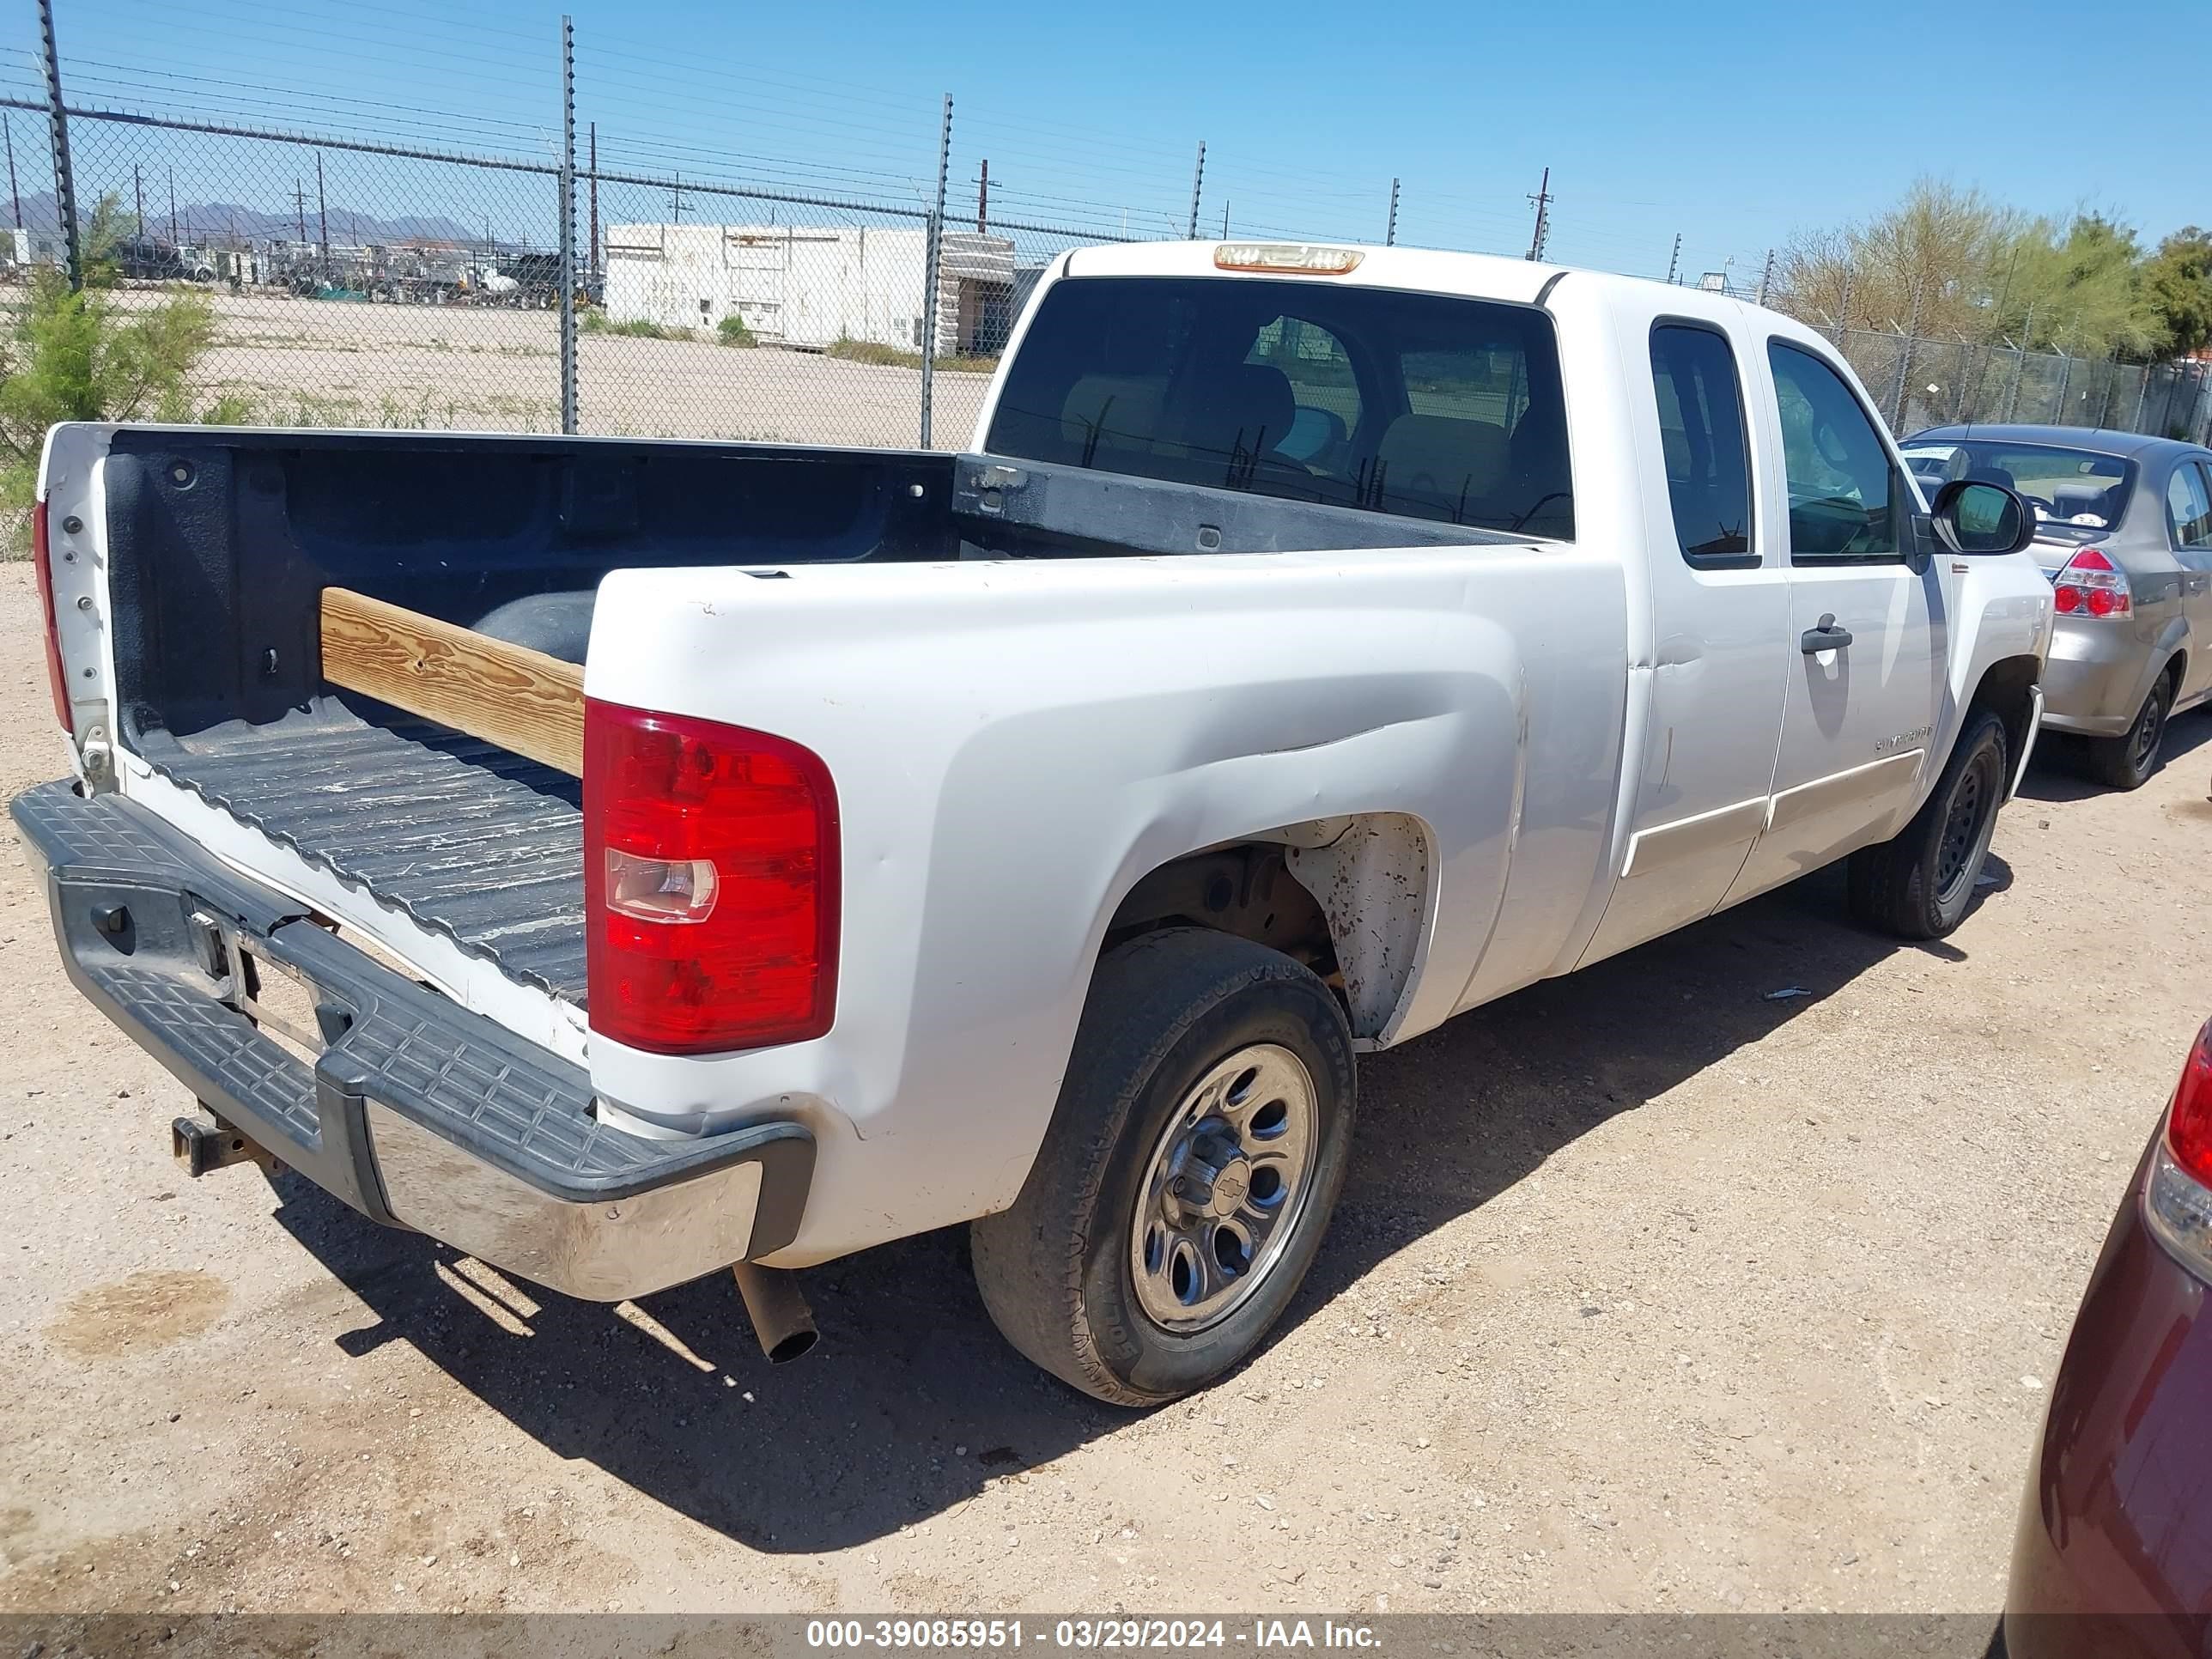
2004	688
1245	888
1347	897
2174	671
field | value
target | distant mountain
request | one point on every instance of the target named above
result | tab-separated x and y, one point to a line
198	221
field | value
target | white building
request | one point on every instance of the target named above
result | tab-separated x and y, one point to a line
805	285
32	248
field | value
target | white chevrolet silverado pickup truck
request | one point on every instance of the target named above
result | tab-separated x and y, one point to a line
1317	642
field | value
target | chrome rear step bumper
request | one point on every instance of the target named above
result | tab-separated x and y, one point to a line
416	1112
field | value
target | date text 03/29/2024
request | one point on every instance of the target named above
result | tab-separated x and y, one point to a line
989	1635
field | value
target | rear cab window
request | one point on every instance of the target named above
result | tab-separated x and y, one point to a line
1423	405
1702	442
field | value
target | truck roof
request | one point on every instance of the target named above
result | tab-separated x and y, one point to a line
1485	275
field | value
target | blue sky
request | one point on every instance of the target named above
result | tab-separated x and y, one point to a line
1733	125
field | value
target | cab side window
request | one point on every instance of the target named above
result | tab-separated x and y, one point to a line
1701	437
2189	506
1847	502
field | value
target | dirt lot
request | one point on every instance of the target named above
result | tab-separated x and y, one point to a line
335	362
1647	1292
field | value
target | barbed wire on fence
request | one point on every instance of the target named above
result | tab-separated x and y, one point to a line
387	279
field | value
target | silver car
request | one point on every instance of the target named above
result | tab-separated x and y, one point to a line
2124	532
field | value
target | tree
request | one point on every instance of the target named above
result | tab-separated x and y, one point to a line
1928	263
2176	289
2079	293
85	356
1949	264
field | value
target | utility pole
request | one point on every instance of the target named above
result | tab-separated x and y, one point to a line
1674	260
300	210
1766	276
677	196
983	200
568	223
1542	198
323	216
172	208
1390	236
1197	184
138	200
8	127
1224	219
58	121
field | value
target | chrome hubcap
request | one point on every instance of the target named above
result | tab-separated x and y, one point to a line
1223	1195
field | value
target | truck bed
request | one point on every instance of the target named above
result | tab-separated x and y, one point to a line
467	838
219	544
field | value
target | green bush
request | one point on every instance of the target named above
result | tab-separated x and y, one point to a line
79	356
873	351
889	356
732	331
638	328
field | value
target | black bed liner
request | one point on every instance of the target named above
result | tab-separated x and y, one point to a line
220	545
471	841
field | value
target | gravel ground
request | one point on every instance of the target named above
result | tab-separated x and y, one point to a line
1647	1293
335	362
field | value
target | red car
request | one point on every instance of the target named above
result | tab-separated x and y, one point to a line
2113	1555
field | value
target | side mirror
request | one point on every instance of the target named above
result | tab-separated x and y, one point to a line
1972	515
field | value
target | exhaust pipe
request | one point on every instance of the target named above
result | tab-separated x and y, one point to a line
781	1319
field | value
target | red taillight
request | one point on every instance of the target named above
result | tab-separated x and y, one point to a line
2189	1118
42	564
2177	1197
710	883
2092	585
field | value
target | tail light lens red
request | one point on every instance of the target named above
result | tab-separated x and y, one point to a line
42	565
2091	584
2188	1119
2177	1199
711	884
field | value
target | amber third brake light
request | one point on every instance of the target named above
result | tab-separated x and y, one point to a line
1302	257
710	883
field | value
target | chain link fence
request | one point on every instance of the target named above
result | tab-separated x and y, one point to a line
1921	383
356	283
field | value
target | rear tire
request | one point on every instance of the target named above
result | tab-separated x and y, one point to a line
1195	1154
1918	884
2128	761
